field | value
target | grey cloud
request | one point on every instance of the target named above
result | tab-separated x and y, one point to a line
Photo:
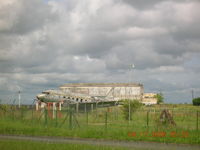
142	4
24	16
45	44
169	46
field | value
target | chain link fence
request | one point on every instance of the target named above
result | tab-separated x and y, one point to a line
93	116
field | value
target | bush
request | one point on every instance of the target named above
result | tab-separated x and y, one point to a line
160	98
134	105
196	101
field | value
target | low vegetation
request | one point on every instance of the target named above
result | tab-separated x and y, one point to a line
196	101
160	98
133	104
106	123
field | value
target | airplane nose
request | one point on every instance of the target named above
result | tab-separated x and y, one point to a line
40	96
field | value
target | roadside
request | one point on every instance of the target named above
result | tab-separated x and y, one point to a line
114	143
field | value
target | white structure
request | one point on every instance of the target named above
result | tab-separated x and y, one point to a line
149	99
113	91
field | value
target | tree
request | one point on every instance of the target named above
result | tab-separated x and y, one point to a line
134	105
196	101
160	98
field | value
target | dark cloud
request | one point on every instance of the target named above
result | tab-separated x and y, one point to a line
143	4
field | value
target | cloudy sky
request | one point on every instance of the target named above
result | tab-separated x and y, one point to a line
46	43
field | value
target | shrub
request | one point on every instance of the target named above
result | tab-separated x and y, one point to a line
160	98
196	101
134	105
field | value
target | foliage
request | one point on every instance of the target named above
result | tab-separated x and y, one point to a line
196	101
5	107
160	98
134	105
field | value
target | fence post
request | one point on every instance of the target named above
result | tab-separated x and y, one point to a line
92	107
85	107
13	114
45	116
70	119
77	108
106	120
87	117
147	118
32	114
22	113
56	117
197	120
96	110
116	112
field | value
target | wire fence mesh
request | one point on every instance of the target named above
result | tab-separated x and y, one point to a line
101	117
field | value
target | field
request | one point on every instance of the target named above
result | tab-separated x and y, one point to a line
105	123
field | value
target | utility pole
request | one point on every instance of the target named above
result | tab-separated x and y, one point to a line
19	96
129	107
192	94
160	91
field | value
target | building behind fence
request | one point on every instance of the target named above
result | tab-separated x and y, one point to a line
114	91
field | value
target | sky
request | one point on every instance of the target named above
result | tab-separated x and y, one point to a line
46	43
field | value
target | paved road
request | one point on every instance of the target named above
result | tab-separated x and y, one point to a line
131	144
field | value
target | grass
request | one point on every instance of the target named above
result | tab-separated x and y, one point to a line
34	145
33	123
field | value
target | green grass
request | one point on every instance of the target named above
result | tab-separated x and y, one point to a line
28	123
33	145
